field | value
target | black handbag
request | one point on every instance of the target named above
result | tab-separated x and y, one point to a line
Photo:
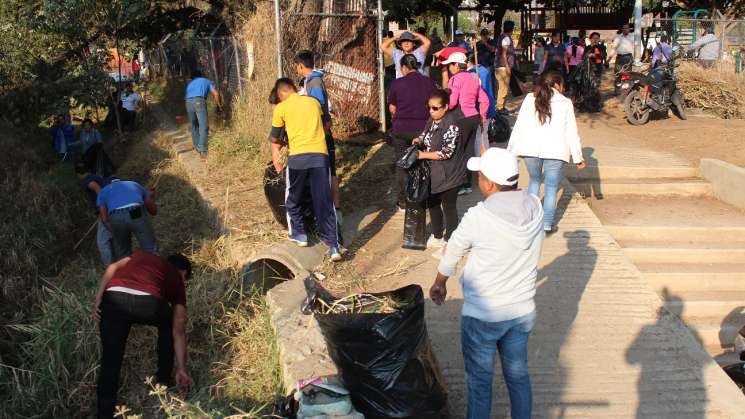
498	129
411	156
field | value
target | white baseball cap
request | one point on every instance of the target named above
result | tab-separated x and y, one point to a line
498	165
456	57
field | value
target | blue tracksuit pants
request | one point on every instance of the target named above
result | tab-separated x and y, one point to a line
319	179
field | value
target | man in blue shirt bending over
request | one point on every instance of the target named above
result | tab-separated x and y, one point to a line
196	109
125	208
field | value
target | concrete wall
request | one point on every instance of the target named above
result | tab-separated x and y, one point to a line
727	181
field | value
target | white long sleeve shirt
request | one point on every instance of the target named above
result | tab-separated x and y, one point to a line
557	139
623	44
504	235
709	47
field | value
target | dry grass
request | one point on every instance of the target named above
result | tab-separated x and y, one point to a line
233	358
717	90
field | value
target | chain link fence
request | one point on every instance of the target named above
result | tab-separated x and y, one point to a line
223	60
688	34
343	38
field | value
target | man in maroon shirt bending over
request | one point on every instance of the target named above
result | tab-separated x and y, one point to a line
142	289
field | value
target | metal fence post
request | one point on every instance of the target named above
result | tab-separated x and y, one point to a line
238	65
381	68
278	32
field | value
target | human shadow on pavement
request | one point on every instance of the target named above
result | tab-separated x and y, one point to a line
656	372
560	287
590	185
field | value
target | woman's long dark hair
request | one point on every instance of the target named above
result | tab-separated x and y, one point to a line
575	43
544	92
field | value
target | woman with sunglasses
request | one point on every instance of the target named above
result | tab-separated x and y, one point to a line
445	148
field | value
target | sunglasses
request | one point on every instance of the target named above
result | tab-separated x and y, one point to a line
436	108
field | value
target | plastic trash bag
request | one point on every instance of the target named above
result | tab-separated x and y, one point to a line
415	226
274	190
417	182
411	156
499	130
736	372
385	359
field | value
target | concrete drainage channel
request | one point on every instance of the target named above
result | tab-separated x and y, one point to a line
280	270
684	228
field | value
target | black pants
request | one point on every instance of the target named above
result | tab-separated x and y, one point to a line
401	141
129	120
469	128
443	203
119	311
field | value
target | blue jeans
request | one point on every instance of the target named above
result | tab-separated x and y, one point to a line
196	110
124	225
480	341
105	243
549	172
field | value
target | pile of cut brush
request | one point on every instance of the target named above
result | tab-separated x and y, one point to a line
720	91
362	304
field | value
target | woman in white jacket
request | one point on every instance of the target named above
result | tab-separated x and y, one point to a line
545	136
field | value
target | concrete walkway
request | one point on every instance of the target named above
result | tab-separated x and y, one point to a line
603	346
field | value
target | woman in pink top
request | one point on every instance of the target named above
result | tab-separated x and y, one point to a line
574	54
466	94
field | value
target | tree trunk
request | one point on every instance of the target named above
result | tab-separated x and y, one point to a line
498	18
118	83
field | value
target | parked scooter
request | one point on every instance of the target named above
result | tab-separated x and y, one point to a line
656	91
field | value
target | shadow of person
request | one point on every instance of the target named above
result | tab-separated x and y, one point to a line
656	373
592	187
560	286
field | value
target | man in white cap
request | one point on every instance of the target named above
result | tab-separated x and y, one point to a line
504	235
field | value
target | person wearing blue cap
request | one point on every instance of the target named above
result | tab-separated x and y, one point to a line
408	42
460	41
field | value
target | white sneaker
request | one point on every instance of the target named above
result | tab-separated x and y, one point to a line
433	243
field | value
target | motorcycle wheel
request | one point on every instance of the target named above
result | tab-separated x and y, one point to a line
679	106
637	112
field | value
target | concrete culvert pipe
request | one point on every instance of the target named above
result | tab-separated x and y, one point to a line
279	263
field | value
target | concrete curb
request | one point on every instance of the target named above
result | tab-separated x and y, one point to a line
726	180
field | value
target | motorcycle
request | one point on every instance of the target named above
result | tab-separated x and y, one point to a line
656	91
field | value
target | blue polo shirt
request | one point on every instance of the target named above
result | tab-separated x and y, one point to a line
121	194
199	87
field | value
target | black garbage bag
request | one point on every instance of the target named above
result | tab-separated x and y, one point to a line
498	129
417	182
415	226
384	358
411	156
736	373
274	190
97	161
